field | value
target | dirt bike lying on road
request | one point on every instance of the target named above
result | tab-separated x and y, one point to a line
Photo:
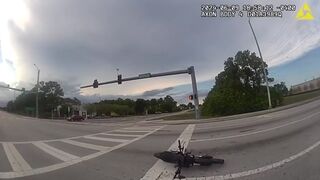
182	158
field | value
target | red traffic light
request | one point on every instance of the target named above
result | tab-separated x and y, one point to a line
191	97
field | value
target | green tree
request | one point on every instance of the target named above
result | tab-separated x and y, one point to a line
153	106
140	106
183	106
277	92
190	105
50	96
130	107
239	87
281	88
169	104
10	106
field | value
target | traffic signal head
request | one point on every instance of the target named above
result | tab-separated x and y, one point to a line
95	83
119	79
191	97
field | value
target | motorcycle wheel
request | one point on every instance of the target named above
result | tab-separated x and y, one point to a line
208	160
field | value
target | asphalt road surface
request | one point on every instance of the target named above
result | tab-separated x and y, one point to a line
279	145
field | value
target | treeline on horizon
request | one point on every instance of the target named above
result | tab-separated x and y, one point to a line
53	104
51	101
124	107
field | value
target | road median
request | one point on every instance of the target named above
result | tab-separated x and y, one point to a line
233	117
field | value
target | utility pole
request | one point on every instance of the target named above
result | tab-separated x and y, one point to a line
37	96
263	67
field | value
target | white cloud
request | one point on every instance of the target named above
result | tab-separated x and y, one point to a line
292	38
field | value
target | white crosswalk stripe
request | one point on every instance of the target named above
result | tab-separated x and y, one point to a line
85	145
148	128
105	139
121	135
132	131
63	156
16	160
21	168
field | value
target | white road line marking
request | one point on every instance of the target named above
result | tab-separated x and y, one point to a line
129	131
17	162
85	145
105	139
260	169
255	132
163	170
9	175
141	128
63	156
121	135
52	140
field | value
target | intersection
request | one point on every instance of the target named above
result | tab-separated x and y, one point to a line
277	145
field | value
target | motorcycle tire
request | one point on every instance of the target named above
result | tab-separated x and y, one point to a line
208	160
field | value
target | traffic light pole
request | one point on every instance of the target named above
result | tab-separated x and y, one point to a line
15	89
195	92
190	71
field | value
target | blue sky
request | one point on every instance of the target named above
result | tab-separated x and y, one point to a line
302	69
76	41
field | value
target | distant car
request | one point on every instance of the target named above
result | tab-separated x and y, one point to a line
90	116
75	118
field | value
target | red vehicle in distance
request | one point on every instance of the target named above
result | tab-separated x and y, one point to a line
75	118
